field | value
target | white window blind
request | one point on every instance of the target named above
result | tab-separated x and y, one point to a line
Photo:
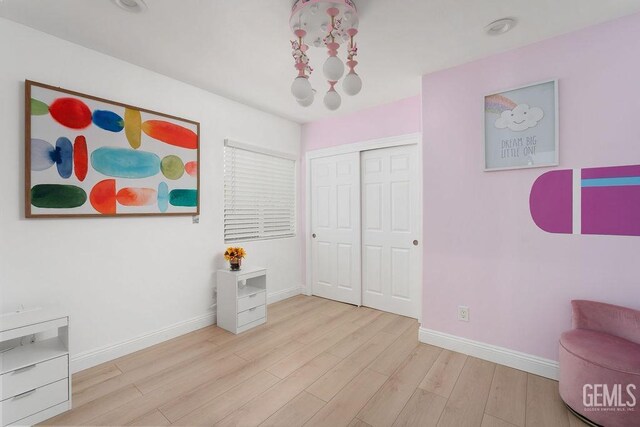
259	195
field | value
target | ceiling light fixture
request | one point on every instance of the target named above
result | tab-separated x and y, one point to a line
500	26
328	22
133	6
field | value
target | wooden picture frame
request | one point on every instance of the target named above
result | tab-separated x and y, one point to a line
123	161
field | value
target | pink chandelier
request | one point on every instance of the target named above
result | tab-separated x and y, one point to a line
329	23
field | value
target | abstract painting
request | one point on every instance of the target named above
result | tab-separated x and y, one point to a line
521	127
603	200
87	156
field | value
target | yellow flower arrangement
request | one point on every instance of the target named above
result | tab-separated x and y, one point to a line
234	253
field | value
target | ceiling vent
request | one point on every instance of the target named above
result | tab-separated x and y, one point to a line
132	6
500	26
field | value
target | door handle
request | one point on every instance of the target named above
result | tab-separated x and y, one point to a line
313	235
415	243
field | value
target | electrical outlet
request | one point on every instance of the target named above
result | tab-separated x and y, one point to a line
463	313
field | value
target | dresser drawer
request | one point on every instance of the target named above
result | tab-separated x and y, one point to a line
245	303
34	376
36	400
250	315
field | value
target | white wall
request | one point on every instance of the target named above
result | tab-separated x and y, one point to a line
124	278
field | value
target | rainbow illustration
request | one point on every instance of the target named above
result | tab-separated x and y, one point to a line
498	103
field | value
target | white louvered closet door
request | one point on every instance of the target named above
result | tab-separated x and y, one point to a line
259	195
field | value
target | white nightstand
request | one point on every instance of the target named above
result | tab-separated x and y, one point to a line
242	299
35	377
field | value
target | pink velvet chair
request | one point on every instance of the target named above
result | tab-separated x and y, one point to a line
600	364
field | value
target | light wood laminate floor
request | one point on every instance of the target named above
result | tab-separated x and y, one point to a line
315	363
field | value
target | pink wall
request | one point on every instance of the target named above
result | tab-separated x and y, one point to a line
482	247
397	118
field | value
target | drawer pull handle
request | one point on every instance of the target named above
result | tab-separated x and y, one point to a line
254	295
253	309
25	394
26	368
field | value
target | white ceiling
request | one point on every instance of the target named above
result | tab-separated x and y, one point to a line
240	48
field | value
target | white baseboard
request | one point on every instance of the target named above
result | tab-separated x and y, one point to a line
100	355
95	357
504	356
283	294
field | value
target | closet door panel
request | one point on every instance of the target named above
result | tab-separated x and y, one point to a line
391	219
335	228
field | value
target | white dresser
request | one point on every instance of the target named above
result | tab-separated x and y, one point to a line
242	299
35	378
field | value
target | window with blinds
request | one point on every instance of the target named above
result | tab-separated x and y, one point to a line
259	195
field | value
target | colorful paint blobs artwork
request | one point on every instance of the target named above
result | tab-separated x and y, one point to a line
163	197
191	168
133	127
602	201
64	157
171	133
108	120
137	196
43	155
92	157
186	198
71	112
39	108
125	163
57	196
80	157
172	167
103	197
135	164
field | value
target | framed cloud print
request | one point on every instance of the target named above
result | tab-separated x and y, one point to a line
92	157
521	127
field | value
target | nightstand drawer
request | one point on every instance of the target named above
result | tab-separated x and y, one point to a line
33	401
245	303
34	376
250	315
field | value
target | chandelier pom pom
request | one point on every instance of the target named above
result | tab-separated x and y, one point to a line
352	84
301	88
329	23
333	68
332	99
